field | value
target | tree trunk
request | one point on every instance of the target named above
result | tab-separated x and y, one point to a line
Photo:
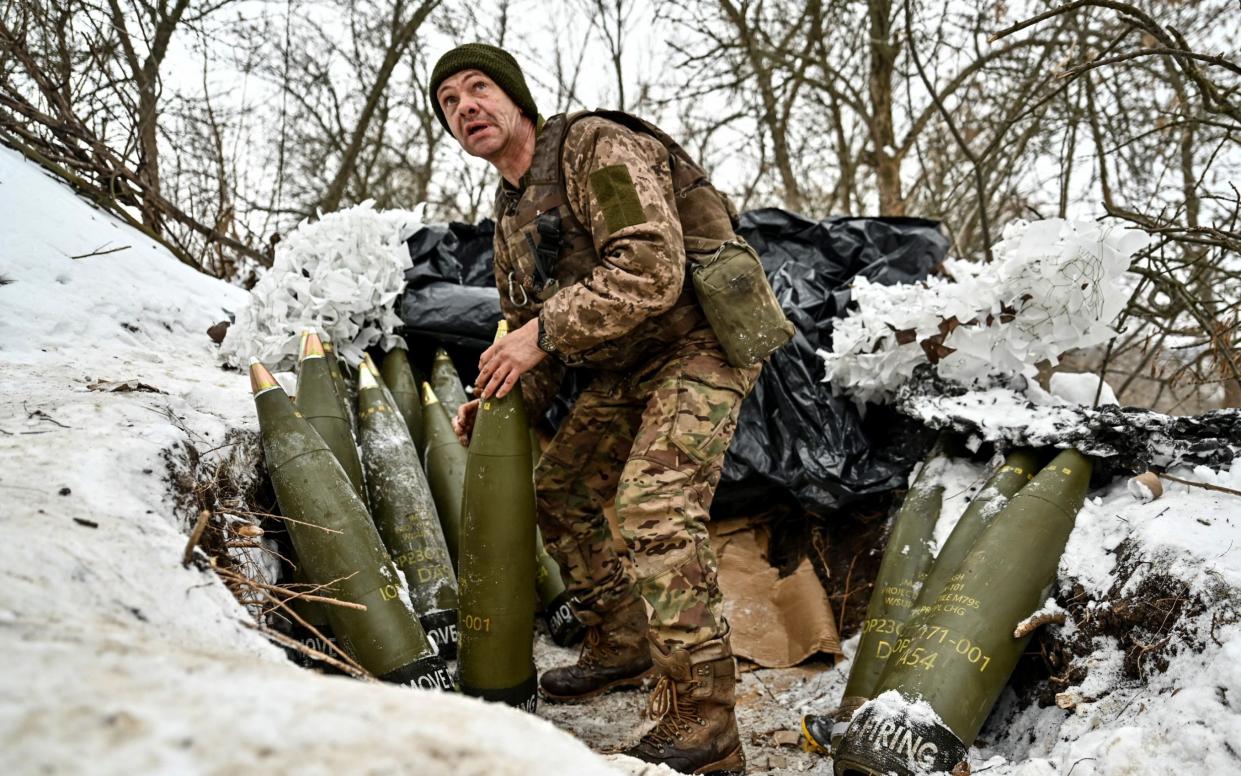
771	117
148	154
883	51
401	39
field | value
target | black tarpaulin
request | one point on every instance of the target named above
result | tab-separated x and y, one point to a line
794	439
450	296
793	436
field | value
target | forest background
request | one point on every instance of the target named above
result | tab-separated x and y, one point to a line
218	126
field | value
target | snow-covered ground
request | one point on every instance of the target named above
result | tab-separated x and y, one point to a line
117	659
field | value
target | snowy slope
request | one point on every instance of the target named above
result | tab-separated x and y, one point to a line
116	658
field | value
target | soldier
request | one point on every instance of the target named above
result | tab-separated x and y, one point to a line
591	266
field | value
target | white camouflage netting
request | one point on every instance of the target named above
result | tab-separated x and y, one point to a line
1053	285
339	275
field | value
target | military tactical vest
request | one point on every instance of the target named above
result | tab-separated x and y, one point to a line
551	249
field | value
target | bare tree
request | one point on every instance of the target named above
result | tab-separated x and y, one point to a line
1165	127
80	93
404	21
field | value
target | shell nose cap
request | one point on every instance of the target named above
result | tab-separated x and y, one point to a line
312	346
260	378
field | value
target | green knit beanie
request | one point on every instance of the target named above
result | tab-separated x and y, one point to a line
499	66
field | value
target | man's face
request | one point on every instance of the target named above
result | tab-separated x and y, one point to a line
481	116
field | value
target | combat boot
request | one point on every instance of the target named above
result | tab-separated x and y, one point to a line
614	655
694	702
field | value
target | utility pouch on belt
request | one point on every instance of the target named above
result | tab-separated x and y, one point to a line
739	304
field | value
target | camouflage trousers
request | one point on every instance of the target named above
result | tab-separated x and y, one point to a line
656	439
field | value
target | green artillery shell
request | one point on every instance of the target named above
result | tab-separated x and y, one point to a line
339	547
405	513
956	656
399	378
317	402
368	364
566	629
1018	469
339	382
315	615
445	461
495	657
906	560
447	383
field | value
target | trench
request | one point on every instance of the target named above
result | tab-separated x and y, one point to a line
1148	613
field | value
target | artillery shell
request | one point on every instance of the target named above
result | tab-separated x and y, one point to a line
906	561
447	383
318	402
957	654
496	655
445	460
399	377
405	512
339	548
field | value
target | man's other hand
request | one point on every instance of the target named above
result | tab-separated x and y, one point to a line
502	364
463	421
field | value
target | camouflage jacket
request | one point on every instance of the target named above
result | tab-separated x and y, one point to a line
617	294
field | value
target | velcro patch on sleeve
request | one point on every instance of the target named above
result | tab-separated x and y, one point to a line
616	197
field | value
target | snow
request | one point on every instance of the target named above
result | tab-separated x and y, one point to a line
117	658
1053	286
1078	388
893	704
121	660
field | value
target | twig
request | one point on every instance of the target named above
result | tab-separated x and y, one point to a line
1097	63
287	519
102	252
1203	485
1031	624
1079	762
200	525
294	644
1033	20
267	549
41	415
293	594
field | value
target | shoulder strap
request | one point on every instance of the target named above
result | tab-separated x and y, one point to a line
684	169
547	168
